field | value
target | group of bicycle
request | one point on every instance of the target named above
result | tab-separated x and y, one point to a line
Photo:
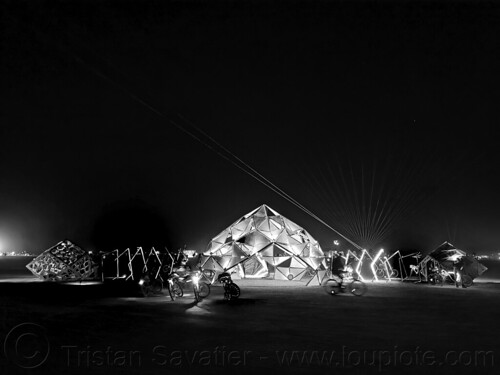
178	277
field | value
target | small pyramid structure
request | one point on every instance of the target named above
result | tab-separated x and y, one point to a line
265	244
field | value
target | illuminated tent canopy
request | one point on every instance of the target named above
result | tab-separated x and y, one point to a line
264	244
63	261
446	254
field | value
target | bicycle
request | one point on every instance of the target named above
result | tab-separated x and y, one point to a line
231	290
174	288
150	286
201	289
349	282
177	284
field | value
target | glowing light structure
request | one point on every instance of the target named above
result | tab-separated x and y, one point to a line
263	243
132	264
63	261
374	262
360	263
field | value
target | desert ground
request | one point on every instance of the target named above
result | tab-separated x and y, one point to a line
275	327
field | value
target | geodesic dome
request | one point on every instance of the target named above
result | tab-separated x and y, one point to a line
263	243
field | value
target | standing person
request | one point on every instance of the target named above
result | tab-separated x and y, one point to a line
458	265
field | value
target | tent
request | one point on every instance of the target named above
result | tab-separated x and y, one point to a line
445	255
63	261
264	244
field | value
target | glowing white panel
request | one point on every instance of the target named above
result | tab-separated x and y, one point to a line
372	265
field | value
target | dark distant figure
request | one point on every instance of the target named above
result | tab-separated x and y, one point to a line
337	266
458	266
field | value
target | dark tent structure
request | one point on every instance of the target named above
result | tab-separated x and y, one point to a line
445	257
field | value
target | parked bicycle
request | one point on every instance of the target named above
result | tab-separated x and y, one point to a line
177	284
174	288
231	290
349	282
201	289
150	285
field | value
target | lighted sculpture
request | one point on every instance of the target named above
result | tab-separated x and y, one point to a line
374	262
265	244
133	264
63	261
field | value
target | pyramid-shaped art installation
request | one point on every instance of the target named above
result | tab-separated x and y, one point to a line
264	244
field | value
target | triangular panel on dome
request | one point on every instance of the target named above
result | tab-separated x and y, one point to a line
295	272
297	262
282	261
263	224
232	262
213	247
262	211
315	251
269	228
256	241
277	221
224	261
241	229
247	250
275	250
283	240
212	264
281	273
224	250
268	251
218	241
296	247
290	226
270	211
314	263
236	250
255	267
275	229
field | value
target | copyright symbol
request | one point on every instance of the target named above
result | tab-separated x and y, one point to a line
26	345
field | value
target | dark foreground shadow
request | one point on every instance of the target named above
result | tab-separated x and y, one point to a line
239	302
61	292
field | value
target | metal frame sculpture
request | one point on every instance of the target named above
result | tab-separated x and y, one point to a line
414	268
132	265
64	261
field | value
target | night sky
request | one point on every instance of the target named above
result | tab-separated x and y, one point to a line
379	117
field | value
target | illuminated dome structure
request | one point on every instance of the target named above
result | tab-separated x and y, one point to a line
264	244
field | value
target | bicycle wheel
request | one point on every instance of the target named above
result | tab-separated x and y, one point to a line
196	291
466	281
332	287
156	286
439	280
234	290
380	272
358	288
175	290
394	273
204	290
145	285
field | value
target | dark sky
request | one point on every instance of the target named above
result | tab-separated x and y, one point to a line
379	117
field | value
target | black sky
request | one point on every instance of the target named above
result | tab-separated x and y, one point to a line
399	99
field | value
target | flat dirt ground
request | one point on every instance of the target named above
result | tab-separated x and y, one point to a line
273	328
